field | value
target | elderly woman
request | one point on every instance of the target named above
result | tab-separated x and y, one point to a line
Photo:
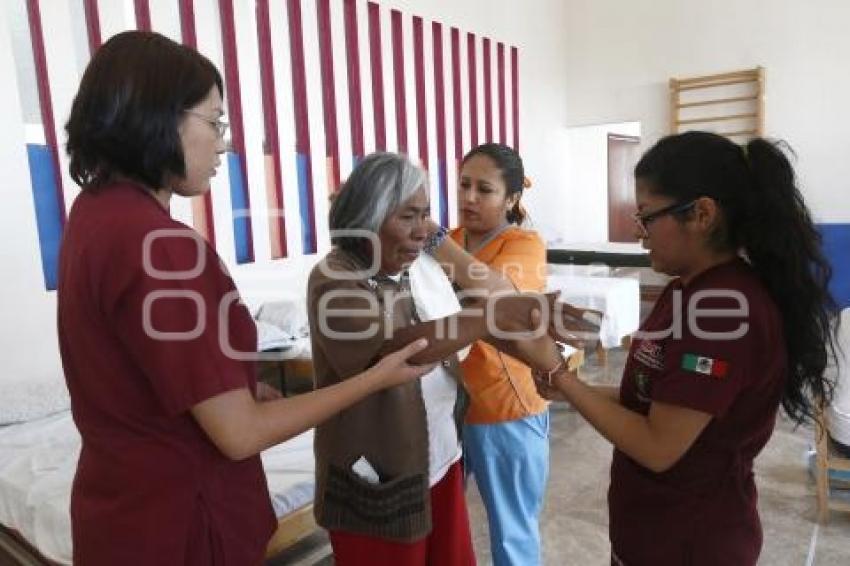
169	471
389	486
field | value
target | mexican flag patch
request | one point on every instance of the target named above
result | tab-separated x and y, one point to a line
705	366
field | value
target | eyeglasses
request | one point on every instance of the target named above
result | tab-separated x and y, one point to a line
644	220
220	127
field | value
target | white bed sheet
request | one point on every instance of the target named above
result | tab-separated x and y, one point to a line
290	472
37	464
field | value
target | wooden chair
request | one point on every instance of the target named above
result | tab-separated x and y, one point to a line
827	460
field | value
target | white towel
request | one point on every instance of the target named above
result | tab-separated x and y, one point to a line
433	295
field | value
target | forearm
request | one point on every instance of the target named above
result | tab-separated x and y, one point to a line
241	427
610	391
282	419
469	273
628	431
445	336
538	353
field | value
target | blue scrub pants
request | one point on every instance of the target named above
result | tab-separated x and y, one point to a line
510	462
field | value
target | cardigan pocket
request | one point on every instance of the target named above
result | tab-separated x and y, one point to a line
374	506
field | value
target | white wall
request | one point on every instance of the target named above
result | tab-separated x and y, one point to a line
28	336
619	56
580	211
537	27
27	333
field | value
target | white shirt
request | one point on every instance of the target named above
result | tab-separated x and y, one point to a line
439	392
434	298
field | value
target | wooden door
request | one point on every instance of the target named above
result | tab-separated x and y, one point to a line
622	157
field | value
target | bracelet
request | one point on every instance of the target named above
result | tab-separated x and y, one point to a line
552	372
434	240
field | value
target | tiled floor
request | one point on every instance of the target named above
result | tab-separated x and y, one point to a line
574	523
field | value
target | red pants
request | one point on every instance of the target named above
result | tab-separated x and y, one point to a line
448	544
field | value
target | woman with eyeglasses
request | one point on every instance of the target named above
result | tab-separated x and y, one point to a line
156	346
742	329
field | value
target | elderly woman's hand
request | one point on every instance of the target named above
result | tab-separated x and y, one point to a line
265	392
548	391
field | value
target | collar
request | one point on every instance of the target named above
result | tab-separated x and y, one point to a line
491	235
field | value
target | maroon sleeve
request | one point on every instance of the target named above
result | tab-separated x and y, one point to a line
707	363
181	320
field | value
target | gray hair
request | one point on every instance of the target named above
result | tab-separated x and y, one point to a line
379	184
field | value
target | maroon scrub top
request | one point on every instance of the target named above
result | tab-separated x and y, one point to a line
703	509
149	321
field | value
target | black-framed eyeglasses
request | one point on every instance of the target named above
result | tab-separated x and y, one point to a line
219	125
644	220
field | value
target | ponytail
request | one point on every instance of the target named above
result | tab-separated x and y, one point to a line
517	214
784	248
763	215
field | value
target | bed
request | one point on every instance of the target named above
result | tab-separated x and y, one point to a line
609	259
614	278
37	463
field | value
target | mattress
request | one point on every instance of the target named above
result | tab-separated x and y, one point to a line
37	464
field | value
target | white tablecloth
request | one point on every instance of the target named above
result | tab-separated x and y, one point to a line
618	300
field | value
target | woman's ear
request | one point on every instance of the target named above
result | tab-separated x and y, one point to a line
706	213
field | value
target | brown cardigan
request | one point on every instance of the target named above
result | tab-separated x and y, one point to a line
389	428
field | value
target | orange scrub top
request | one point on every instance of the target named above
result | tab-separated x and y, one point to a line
501	387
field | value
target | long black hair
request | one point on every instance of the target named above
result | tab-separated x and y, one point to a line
509	162
764	215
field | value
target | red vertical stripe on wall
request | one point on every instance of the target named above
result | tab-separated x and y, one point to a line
187	23
272	142
439	88
143	15
302	124
299	78
326	63
488	93
352	50
398	81
234	107
515	95
473	89
44	98
419	76
500	79
440	107
92	24
456	94
377	76
187	28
